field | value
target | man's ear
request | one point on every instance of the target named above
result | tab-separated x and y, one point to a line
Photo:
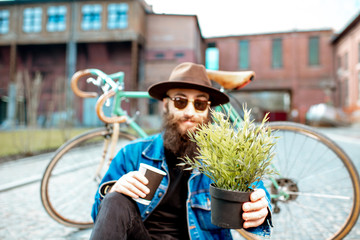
165	104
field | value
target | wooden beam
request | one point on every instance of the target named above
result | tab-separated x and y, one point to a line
134	64
12	70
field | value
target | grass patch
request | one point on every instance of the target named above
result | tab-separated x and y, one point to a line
29	142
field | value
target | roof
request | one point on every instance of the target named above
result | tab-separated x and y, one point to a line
13	2
182	15
347	29
274	33
10	2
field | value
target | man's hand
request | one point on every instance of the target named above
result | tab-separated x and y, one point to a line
132	184
256	210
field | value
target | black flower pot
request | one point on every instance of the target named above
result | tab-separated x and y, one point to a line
226	207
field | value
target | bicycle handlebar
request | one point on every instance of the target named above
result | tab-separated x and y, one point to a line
102	80
99	109
106	82
74	81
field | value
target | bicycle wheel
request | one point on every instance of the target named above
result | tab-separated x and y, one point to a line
316	195
70	180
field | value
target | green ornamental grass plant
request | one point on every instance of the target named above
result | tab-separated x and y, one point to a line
234	158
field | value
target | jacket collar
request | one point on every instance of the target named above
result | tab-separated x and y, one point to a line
155	150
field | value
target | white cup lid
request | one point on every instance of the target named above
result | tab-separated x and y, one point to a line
154	169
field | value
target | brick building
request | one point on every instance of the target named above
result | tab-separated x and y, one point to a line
294	70
57	38
346	51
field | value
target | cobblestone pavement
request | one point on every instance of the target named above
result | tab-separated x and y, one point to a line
23	216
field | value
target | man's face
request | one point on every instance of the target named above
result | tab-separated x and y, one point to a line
189	117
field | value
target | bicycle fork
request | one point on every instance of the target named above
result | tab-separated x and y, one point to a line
112	140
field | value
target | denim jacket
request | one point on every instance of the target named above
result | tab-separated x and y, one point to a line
150	150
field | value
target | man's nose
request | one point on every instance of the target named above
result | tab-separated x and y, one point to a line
190	109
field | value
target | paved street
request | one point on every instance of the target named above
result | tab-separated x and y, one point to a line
22	214
23	217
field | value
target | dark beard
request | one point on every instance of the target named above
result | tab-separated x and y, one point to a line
176	142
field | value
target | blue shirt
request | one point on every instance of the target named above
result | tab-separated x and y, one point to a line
150	151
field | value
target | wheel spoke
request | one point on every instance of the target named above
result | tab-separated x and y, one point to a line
70	184
314	172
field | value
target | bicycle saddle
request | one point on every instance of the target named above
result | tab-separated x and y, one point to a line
231	80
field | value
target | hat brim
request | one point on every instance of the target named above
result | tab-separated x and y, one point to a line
159	90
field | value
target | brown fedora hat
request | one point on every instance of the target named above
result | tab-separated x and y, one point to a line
189	76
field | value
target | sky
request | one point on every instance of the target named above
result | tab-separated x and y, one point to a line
241	17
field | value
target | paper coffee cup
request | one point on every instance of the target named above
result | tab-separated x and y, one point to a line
155	176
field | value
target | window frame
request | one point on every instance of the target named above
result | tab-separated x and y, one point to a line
120	13
358	100
314	51
32	20
346	61
92	19
358	52
244	54
159	55
212	56
58	26
179	54
4	21
277	53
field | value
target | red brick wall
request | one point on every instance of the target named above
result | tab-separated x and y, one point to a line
308	85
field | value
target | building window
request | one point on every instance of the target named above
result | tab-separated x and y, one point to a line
338	62
118	16
346	60
91	17
277	58
359	87
4	21
153	106
32	20
244	56
179	55
212	57
314	51
345	92
56	19
160	55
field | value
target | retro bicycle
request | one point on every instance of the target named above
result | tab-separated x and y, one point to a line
315	196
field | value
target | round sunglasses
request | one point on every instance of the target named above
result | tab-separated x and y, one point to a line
181	103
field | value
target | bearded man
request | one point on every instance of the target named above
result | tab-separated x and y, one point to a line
180	208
